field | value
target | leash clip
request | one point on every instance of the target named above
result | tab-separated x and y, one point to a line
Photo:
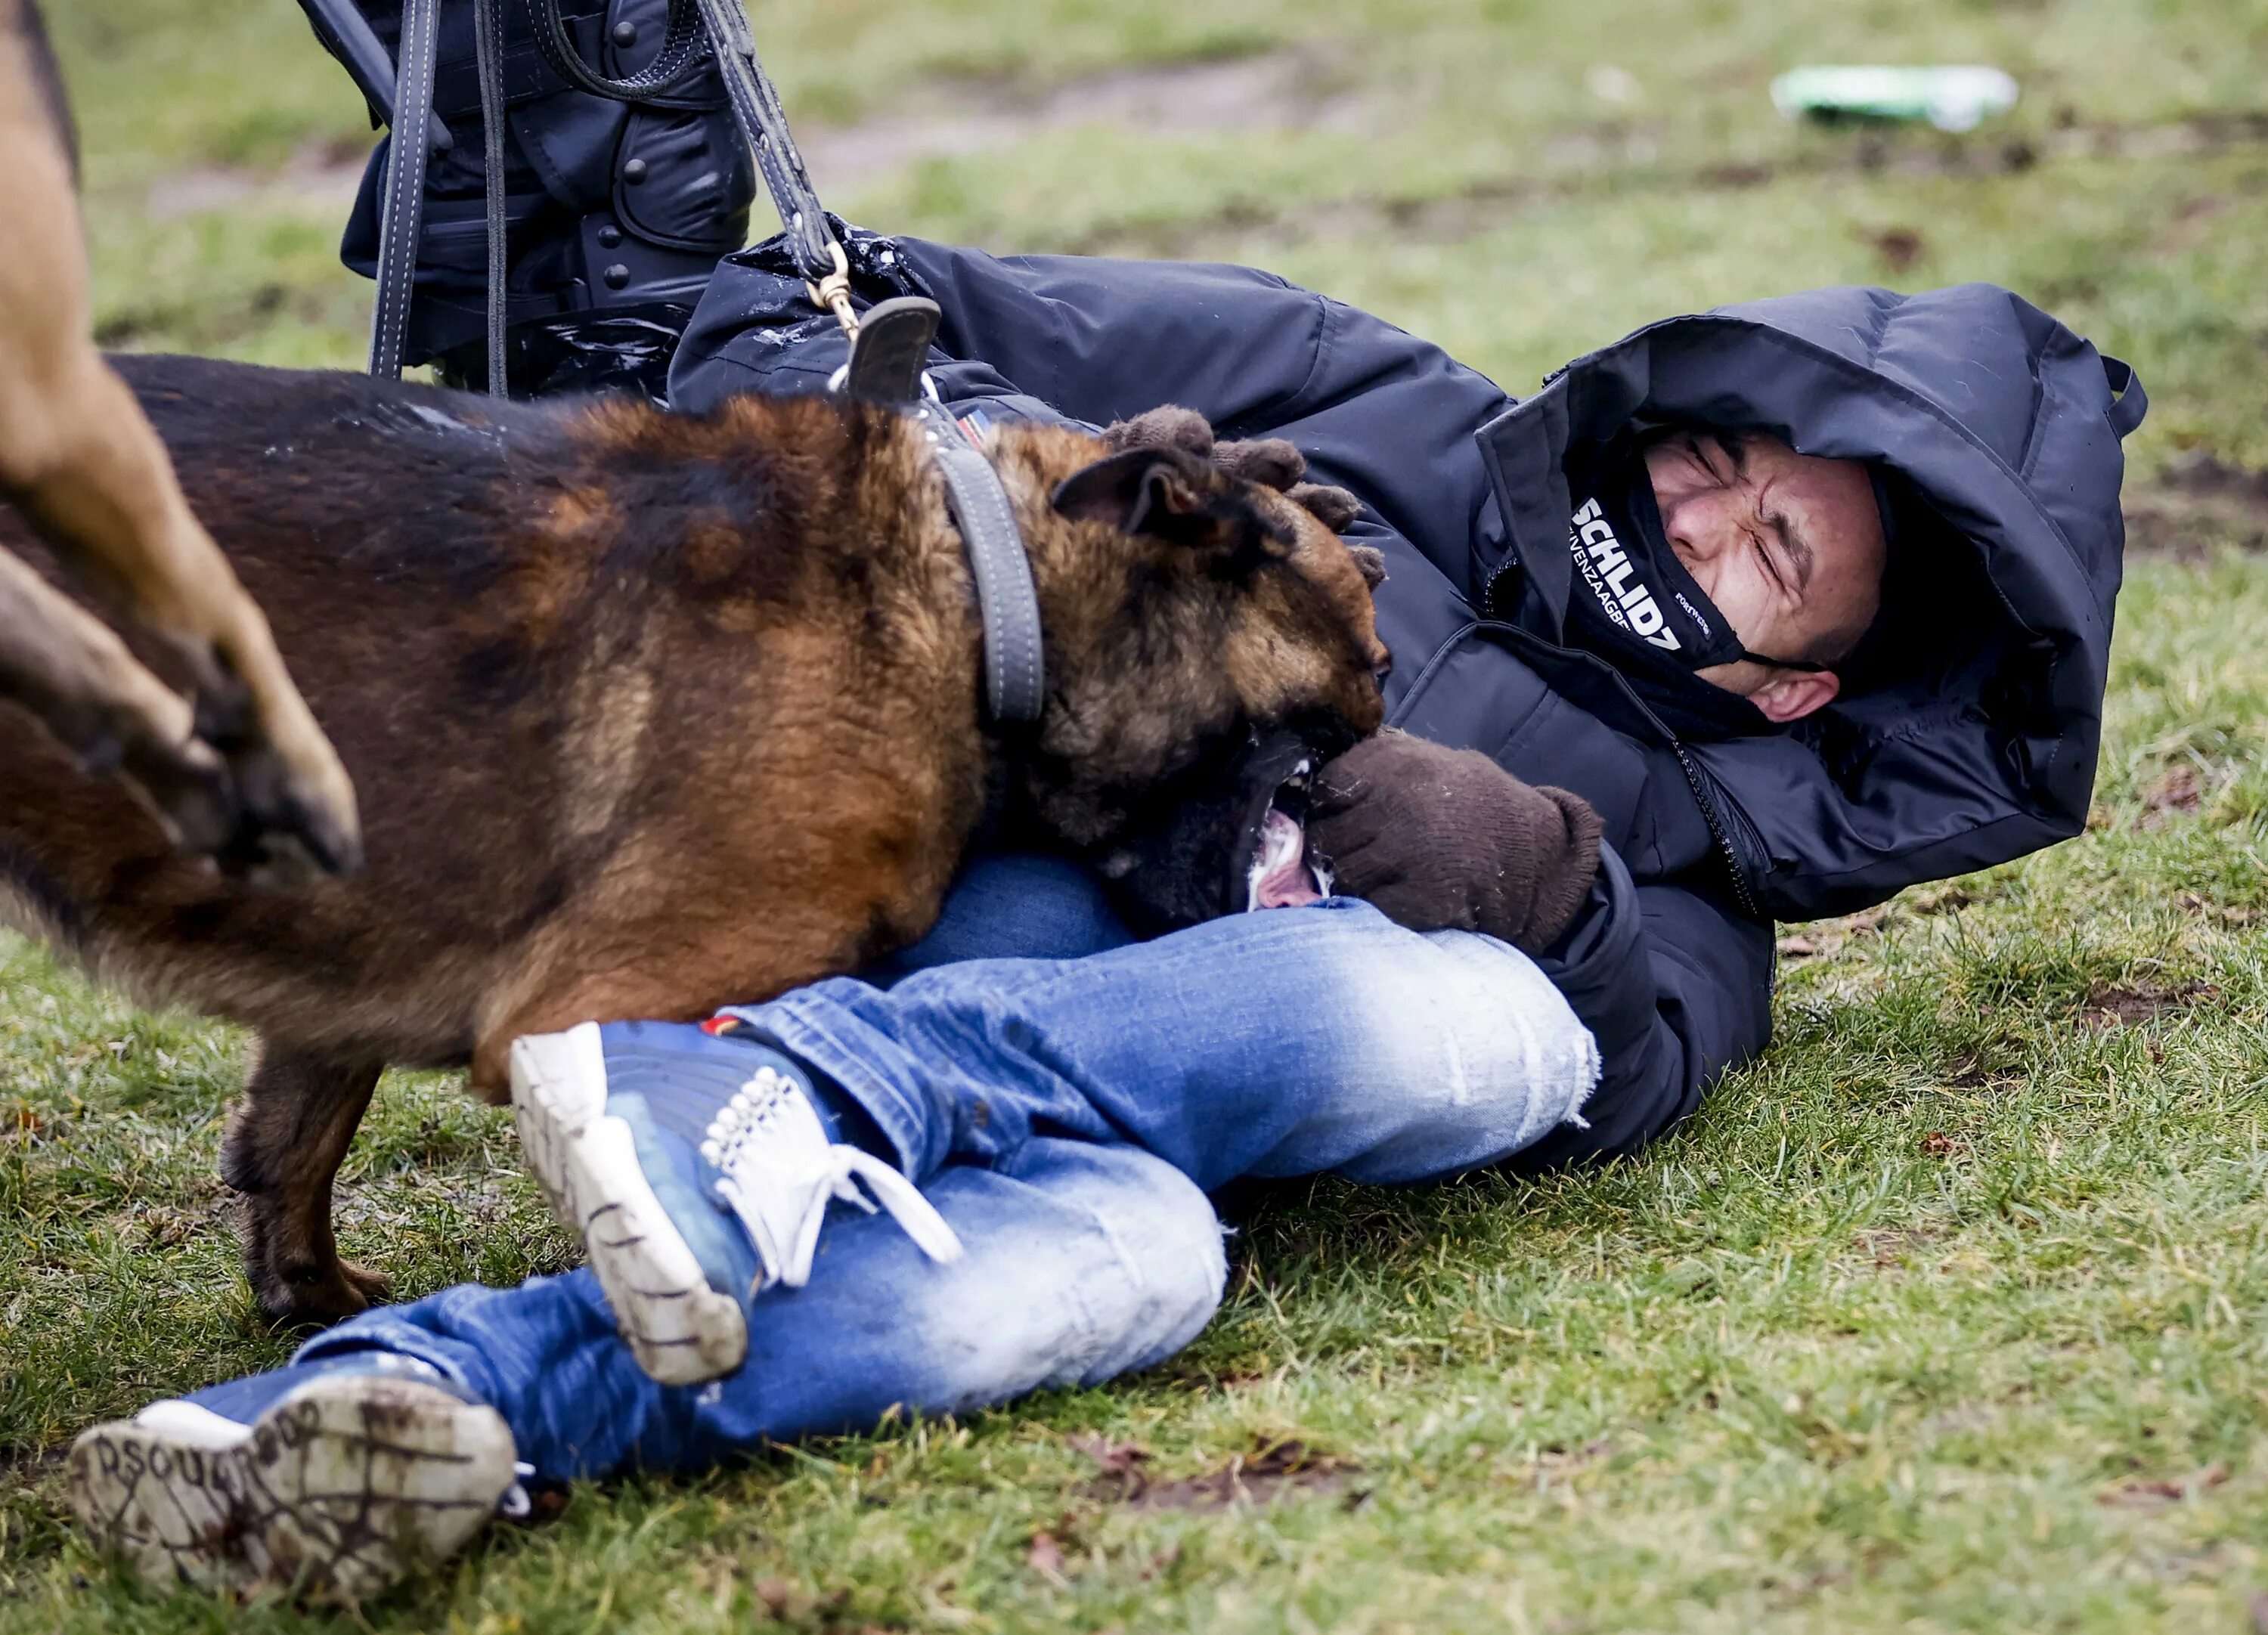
832	293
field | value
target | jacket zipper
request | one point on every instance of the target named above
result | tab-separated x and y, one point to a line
1717	829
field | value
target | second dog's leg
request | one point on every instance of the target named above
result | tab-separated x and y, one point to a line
287	1139
110	493
87	468
71	670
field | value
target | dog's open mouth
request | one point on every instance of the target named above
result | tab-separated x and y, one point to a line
1278	874
1234	838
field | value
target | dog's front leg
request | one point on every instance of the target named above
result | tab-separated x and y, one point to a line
286	1139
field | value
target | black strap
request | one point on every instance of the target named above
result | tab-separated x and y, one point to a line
763	126
2132	403
1015	666
886	357
402	215
680	48
347	33
488	53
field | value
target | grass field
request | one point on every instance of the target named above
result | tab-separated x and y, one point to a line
1951	1314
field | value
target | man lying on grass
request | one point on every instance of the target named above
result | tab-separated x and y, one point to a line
1760	614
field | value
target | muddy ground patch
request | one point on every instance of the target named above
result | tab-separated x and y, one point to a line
2198	503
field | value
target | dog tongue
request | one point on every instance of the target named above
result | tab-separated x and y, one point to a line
1281	878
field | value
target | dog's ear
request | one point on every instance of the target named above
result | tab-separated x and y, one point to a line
1171	495
1143	490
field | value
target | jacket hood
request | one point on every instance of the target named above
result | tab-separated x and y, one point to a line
1976	741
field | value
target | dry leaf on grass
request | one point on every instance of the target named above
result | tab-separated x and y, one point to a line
2177	789
1830	936
1274	1467
2171	1491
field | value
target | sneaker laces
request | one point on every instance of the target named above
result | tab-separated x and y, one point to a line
778	1172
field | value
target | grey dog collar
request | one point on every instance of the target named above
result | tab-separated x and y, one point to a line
886	366
1015	677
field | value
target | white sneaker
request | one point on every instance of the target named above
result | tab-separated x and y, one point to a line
338	1489
778	1171
698	1172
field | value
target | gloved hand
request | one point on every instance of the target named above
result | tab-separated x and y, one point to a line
1439	838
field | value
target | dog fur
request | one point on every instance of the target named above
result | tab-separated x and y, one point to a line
651	713
245	774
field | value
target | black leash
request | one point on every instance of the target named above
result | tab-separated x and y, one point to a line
763	124
347	33
680	45
488	53
401	215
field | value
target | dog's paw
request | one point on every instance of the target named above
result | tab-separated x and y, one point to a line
317	1299
373	1288
1274	463
1335	508
1271	462
293	818
1171	426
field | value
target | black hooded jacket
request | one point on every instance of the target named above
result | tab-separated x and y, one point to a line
1975	742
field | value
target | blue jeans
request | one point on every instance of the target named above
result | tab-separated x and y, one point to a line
1066	1114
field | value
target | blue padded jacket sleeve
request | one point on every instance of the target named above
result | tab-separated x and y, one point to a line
1103	340
1372	408
1675	989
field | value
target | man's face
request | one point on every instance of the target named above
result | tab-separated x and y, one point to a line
1789	546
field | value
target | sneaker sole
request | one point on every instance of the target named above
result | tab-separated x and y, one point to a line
340	1489
681	1331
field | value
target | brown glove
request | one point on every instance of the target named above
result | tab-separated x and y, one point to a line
1441	838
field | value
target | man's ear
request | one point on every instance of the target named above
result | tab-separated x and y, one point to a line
1171	495
1792	695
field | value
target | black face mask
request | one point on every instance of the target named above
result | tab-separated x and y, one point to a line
1631	584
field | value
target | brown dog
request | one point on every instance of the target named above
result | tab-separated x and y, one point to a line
652	714
245	774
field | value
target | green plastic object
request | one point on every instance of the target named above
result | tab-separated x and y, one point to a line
1957	97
